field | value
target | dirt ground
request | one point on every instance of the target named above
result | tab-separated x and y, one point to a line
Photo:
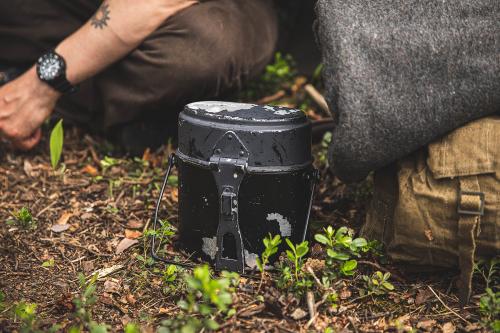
88	213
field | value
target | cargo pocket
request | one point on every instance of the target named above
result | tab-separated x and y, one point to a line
466	162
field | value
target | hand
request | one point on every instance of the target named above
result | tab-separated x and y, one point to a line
25	103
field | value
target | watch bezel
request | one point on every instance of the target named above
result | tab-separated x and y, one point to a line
59	82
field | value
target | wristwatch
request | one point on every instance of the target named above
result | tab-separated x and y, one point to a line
51	69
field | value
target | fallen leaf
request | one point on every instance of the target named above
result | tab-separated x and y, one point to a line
88	266
60	227
112	285
103	272
132	234
135	224
131	299
345	293
422	296
125	244
163	311
106	299
29	170
64	218
426	324
428	234
298	314
449	328
91	170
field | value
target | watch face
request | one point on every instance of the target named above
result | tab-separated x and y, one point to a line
50	66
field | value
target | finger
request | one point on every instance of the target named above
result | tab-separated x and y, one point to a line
30	142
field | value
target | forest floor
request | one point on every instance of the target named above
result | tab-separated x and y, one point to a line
91	218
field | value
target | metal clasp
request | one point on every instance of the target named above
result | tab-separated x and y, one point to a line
463	210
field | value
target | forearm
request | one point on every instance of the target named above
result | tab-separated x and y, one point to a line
117	28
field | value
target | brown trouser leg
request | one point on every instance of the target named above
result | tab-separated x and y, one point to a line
197	54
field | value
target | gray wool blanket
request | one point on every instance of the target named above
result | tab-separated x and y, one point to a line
401	73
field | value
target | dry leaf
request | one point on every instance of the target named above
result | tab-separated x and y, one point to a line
125	244
428	234
91	170
298	314
103	272
132	234
449	328
29	170
422	296
112	286
64	218
135	224
345	293
131	299
426	324
60	227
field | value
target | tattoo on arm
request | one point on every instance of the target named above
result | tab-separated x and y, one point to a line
101	17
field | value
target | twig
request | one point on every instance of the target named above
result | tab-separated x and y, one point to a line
447	307
354	327
377	266
317	98
45	209
272	98
311	304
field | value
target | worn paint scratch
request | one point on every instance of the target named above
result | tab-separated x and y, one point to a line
250	259
216	107
285	226
209	246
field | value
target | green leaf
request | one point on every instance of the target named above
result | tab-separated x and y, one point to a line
302	249
56	143
337	255
290	244
359	242
388	286
350	265
211	324
321	239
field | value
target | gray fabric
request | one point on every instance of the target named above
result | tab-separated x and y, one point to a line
402	73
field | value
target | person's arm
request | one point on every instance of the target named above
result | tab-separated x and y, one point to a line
117	28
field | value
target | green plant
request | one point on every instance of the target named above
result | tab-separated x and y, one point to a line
23	218
377	284
488	269
271	245
325	143
281	71
2	300
171	281
489	307
206	298
109	162
164	232
26	313
296	254
292	275
84	304
277	75
132	328
56	144
340	249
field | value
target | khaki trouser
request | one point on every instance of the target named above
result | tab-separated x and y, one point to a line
199	53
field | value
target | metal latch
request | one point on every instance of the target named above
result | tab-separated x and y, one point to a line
229	164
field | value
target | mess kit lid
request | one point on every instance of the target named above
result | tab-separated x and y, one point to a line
270	138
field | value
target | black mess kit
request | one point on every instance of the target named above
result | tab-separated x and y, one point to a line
244	171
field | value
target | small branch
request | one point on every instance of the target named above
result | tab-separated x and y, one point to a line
447	307
272	98
380	268
317	98
311	306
